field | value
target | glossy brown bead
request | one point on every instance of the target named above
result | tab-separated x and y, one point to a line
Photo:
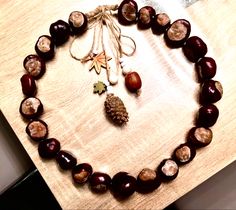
37	130
60	32
211	91
184	153
207	115
123	185
160	23
99	182
168	170
200	136
31	108
28	85
206	68
81	173
145	17
194	49
177	34
34	65
147	181
49	148
127	12
66	160
133	81
45	47
78	22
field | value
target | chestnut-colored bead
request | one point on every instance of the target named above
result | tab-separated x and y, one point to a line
194	49
184	153
160	23
206	68
200	136
178	32
37	130
145	17
49	148
28	85
168	170
81	173
45	47
31	108
147	181
66	160
123	185
133	81
207	115
127	12
78	22
60	32
99	182
211	91
34	65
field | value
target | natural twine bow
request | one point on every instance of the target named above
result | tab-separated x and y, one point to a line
102	17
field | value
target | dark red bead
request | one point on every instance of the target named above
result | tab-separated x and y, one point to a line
147	181
99	182
34	65
133	81
211	91
31	108
49	148
66	160
123	185
160	23
37	130
200	136
194	49
127	12
207	115
60	32
28	85
177	34
81	173
168	170
206	68
184	153
45	47
145	17
78	22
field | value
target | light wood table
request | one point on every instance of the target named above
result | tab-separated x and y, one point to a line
159	118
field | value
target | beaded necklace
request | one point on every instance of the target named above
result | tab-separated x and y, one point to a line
176	35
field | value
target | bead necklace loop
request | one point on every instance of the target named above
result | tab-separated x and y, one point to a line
176	35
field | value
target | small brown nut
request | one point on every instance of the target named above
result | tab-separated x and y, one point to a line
184	153
45	47
168	169
37	130
31	108
200	136
81	173
34	65
147	181
160	23
78	22
177	33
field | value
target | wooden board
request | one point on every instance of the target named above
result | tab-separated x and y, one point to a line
159	118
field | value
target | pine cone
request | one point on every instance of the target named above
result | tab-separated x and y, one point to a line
116	110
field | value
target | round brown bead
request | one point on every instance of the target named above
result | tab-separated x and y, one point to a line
200	136
37	130
207	115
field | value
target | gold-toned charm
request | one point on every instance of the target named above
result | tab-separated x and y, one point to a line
99	87
99	61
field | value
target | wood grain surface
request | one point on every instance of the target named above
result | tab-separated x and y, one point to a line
159	118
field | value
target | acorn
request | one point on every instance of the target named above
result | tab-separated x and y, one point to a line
133	82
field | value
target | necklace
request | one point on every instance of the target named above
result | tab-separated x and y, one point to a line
176	35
